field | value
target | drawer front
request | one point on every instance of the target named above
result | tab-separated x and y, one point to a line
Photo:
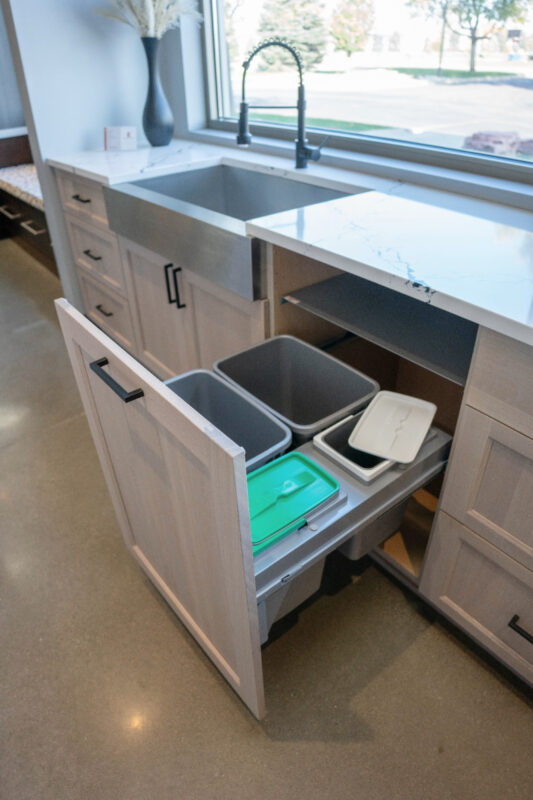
83	197
489	485
501	380
12	210
96	250
108	310
484	591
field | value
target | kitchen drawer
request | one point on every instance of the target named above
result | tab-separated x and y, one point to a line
83	197
180	492
108	310
489	485
500	381
483	590
12	211
96	250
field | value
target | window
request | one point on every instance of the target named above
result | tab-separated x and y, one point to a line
416	76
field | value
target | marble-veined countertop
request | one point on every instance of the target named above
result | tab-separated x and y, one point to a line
479	269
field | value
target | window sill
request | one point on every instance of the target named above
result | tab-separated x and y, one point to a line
485	188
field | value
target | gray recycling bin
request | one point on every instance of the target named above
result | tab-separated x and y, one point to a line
239	417
303	386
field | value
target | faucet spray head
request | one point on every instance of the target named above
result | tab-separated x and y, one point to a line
244	137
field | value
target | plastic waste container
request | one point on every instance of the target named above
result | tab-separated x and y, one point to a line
303	386
244	421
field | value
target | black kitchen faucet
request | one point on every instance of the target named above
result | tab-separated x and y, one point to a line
304	153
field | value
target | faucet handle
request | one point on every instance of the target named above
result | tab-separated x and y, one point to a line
316	152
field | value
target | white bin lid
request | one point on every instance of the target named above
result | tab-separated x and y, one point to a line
393	426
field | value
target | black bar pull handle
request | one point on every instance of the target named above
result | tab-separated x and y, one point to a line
91	255
179	304
97	366
102	310
513	623
167	282
80	199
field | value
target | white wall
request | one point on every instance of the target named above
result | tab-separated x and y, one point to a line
11	113
82	71
77	72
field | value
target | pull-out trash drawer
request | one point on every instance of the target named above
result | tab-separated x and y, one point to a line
359	518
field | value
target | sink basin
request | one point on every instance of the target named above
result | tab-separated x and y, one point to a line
237	192
196	218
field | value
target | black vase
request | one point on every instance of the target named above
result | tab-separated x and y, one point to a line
158	122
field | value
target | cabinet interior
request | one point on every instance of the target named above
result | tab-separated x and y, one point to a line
289	273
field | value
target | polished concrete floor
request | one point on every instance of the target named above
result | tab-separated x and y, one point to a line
104	694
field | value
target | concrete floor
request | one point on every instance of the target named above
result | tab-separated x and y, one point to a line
104	694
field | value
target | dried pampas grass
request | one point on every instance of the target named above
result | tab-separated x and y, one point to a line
151	17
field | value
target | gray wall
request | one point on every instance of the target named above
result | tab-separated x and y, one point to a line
11	113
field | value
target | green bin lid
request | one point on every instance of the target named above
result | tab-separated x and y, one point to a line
281	493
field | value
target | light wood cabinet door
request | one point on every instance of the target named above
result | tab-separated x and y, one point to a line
179	490
82	197
484	591
500	381
97	251
162	311
109	310
224	322
489	485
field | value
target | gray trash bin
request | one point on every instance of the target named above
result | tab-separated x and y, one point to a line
240	418
303	386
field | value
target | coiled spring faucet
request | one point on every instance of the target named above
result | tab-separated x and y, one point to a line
304	153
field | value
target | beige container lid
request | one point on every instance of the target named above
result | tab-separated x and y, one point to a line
393	426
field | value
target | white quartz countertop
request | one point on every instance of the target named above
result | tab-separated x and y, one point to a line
475	261
478	269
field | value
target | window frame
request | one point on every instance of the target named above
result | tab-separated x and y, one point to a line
217	88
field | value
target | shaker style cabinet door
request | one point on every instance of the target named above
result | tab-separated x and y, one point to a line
224	322
179	490
162	311
489	487
484	591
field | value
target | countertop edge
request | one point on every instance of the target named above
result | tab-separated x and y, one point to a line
460	308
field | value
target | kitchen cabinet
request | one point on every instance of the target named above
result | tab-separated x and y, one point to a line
96	250
107	309
169	333
183	321
162	310
484	591
179	489
490	487
82	197
478	568
487	494
224	322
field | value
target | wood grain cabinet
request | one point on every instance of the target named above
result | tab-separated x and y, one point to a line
96	250
479	564
487	593
179	491
182	320
108	309
224	322
82	197
490	487
162	310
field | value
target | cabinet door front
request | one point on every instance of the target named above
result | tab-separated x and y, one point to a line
487	593
162	311
489	487
179	490
224	322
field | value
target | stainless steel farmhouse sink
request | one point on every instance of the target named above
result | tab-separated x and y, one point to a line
197	218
